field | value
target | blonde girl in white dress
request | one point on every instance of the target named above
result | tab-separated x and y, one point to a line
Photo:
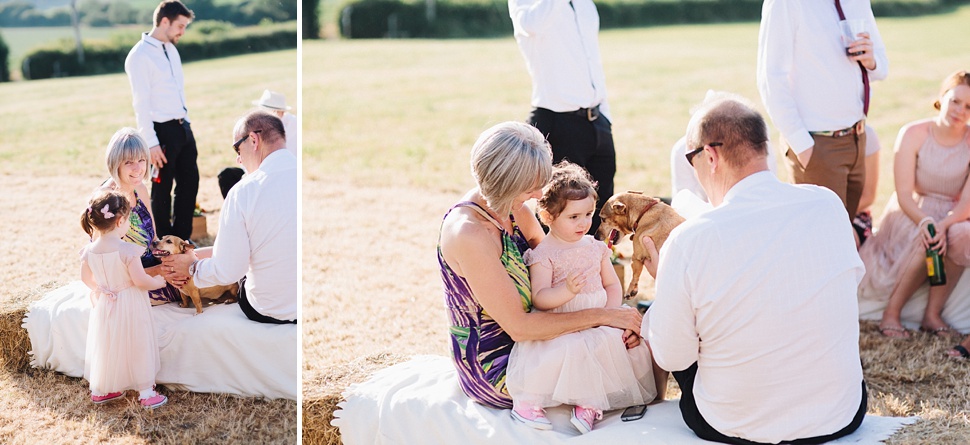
121	352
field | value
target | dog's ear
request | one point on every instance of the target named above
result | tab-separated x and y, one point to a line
619	208
188	245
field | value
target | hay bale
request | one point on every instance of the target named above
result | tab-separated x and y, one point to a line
14	343
322	394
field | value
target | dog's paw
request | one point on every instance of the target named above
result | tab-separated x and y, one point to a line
631	294
183	305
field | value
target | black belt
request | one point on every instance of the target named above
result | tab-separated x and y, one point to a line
173	121
589	113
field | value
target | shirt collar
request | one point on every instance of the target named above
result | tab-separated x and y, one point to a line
272	159
751	181
147	38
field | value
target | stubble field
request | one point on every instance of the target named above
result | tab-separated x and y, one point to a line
387	131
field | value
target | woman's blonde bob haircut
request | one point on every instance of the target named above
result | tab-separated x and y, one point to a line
125	145
508	160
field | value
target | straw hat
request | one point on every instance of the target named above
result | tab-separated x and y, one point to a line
273	100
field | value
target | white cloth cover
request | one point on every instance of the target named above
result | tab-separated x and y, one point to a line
956	312
419	401
219	351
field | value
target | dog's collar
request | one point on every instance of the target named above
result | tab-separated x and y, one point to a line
645	210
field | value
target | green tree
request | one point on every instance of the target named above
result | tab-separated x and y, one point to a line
311	19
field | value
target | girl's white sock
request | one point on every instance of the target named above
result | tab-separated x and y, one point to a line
146	393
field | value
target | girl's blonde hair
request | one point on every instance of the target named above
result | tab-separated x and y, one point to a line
125	145
570	182
507	160
104	210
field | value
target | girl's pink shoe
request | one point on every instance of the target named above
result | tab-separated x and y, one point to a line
154	402
533	416
106	398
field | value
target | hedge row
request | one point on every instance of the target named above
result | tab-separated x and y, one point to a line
486	18
4	56
108	56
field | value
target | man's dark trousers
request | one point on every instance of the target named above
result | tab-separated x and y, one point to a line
178	144
696	422
586	143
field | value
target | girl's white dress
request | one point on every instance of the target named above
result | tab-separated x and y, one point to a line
121	352
590	368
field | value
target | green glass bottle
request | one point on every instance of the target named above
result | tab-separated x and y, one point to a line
934	264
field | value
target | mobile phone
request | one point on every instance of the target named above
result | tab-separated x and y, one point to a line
635	412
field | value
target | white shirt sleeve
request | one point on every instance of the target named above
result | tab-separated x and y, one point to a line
878	50
671	327
530	17
776	47
231	251
139	76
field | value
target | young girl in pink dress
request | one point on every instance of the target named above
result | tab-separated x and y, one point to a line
121	353
595	369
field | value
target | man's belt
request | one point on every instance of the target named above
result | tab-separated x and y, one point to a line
858	128
589	113
173	121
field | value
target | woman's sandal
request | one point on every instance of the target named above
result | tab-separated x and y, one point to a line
894	331
958	352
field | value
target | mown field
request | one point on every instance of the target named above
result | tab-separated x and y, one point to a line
387	131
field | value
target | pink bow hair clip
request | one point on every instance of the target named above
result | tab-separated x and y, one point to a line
106	213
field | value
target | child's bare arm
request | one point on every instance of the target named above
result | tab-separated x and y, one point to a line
611	282
87	276
141	278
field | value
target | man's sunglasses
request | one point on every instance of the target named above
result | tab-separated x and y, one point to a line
236	145
690	154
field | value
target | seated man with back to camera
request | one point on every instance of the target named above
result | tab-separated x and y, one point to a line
755	309
257	240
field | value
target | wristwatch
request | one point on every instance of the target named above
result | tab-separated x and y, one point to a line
192	267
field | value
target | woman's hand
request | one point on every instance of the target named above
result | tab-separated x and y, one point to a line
624	317
937	241
631	339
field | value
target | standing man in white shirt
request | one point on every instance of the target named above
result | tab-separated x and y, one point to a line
154	70
257	243
816	89
755	311
559	40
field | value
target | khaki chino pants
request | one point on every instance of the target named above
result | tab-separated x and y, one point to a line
837	163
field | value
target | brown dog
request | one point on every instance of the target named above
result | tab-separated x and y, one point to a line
170	245
633	212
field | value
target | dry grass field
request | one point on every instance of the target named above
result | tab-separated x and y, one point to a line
387	130
52	139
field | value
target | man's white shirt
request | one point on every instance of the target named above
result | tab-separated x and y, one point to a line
559	40
258	238
761	293
157	85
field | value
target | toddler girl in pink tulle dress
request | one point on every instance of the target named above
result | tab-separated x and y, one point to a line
121	352
595	369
